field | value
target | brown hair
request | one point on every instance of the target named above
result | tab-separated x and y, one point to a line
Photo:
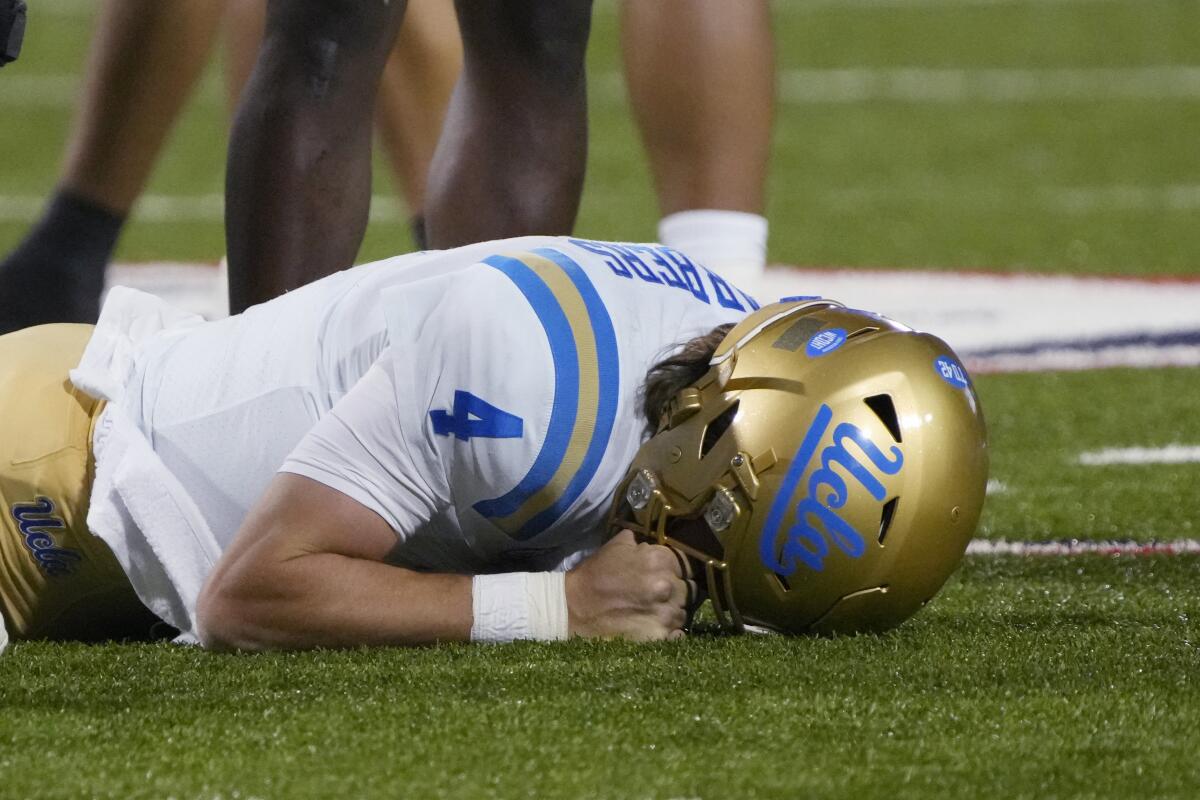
682	368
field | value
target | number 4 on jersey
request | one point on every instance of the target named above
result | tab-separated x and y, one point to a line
475	417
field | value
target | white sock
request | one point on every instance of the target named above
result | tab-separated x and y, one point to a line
731	243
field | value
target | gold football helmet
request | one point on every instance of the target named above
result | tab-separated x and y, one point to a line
837	461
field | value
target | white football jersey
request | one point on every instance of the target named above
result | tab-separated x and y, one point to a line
482	400
493	429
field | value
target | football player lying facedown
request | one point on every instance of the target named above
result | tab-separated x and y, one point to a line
534	438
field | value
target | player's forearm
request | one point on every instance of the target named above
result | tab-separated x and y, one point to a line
329	600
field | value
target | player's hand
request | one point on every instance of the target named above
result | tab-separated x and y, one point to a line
629	590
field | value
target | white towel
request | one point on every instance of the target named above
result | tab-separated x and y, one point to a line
138	507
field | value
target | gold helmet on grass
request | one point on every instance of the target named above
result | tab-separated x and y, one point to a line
837	459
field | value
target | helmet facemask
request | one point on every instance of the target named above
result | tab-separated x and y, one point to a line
703	498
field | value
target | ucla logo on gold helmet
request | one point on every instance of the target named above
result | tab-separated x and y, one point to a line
825	342
952	372
817	522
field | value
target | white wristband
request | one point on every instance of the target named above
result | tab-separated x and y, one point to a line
519	605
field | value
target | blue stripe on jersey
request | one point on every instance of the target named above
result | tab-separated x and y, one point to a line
608	367
566	389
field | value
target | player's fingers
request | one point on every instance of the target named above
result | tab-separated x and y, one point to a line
648	630
678	618
667	559
625	538
659	624
673	614
682	592
675	635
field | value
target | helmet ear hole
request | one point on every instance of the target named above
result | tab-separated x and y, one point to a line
885	409
885	518
717	428
863	332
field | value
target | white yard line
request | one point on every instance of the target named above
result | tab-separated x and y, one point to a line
160	208
1091	199
794	6
1076	547
921	85
1072	200
87	8
915	85
62	8
21	90
1169	454
38	91
942	86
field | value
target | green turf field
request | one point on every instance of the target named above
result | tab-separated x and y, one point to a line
1046	677
1056	135
1059	679
1107	180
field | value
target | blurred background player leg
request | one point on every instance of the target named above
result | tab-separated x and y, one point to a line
512	155
413	95
298	179
413	98
145	57
701	77
245	24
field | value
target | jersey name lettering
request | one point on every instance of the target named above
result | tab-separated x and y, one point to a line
669	267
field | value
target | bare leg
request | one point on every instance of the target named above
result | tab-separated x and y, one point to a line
415	92
298	181
245	21
145	58
512	155
701	76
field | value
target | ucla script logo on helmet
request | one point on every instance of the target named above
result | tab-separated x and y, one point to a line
817	523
